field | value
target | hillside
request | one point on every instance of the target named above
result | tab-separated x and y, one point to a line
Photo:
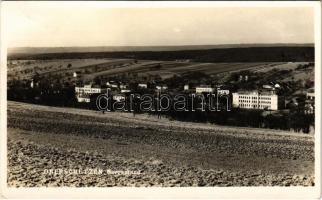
42	50
219	54
40	137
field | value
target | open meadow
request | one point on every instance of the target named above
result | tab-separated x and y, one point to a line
88	69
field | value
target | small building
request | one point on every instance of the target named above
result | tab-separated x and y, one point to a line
118	97
161	87
143	85
277	85
32	84
222	91
268	87
310	95
84	93
123	86
112	84
76	74
309	108
310	102
125	91
84	99
204	89
243	78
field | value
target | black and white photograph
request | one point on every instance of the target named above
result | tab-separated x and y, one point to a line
165	95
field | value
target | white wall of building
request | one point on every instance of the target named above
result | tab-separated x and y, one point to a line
204	90
310	95
83	93
83	99
255	100
223	92
143	85
88	90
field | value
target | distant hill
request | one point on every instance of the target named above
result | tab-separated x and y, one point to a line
200	53
45	50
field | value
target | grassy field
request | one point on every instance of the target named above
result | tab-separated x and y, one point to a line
91	68
26	69
164	152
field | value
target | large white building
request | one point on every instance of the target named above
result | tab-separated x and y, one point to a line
256	100
83	94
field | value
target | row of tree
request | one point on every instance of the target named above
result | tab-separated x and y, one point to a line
237	54
59	94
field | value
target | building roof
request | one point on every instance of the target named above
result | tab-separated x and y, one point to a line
261	92
311	94
311	90
204	86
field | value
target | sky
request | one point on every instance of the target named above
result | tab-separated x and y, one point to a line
43	24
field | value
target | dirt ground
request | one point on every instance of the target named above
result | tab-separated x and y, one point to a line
49	146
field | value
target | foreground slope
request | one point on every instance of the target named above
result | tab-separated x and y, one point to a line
144	151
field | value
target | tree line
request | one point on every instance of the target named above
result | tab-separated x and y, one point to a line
49	92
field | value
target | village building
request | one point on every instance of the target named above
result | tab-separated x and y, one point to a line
118	97
125	91
123	86
76	74
268	87
84	93
204	89
143	85
222	91
263	100
32	83
243	78
161	87
310	95
310	102
112	84
277	85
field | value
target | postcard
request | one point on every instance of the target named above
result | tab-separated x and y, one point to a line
160	99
